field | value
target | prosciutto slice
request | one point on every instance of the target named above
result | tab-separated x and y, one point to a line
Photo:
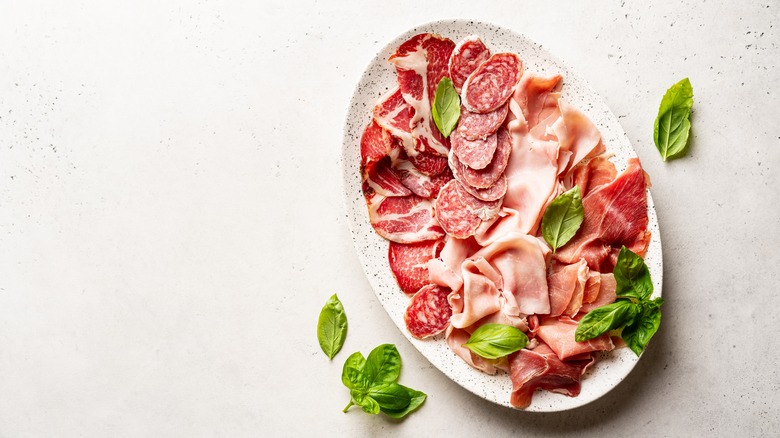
421	62
605	293
404	219
567	287
540	368
558	333
615	215
590	174
409	263
578	136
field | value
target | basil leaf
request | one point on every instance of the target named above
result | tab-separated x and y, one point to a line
563	218
417	399
673	124
383	364
605	318
632	276
446	107
492	341
352	373
638	334
332	327
369	405
390	395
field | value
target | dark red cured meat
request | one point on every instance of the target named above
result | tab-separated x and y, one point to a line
465	58
475	154
590	174
460	213
392	113
487	177
492	83
409	263
419	183
472	126
540	368
375	143
381	177
402	219
429	312
429	164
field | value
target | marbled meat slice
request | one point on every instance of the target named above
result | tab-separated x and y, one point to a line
475	154
491	174
429	312
419	183
472	126
409	263
402	219
459	213
383	179
429	164
375	143
468	54
392	113
491	84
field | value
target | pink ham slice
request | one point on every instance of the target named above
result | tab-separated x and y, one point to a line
535	96
421	62
409	263
460	213
445	271
540	368
476	154
567	287
404	219
467	55
480	295
615	215
429	312
491	84
473	126
490	175
383	179
577	135
558	333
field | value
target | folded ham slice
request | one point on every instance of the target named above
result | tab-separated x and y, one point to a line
540	368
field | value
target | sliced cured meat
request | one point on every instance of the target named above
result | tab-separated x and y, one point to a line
456	338
592	286
491	84
540	368
466	57
460	213
492	193
375	143
566	285
536	97
421	62
445	271
383	179
480	295
419	183
576	135
606	293
392	113
404	219
429	164
475	154
590	174
490	175
558	333
614	215
429	312
521	260
409	263
472	126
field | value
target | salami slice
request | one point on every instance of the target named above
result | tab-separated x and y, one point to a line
476	154
487	177
409	263
472	126
465	58
459	213
491	84
429	312
492	193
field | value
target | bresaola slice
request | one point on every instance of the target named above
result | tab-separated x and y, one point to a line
491	84
459	213
468	54
475	154
429	312
472	126
409	263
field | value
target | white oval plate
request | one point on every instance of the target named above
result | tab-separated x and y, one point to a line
377	79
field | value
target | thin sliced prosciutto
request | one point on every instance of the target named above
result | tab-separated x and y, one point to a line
590	174
577	136
409	263
558	333
567	288
540	368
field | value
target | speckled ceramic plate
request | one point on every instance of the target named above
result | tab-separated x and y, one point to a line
377	79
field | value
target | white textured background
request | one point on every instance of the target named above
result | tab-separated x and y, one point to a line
171	217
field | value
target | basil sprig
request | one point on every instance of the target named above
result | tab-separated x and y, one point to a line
634	312
446	107
372	383
563	218
332	327
673	124
492	341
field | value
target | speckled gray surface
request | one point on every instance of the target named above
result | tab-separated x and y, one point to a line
171	217
377	79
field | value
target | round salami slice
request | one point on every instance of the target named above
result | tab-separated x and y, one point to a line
429	312
460	213
492	193
472	126
476	154
491	84
487	177
409	263
465	58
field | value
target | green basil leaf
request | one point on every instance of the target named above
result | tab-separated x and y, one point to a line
632	276
638	334
446	107
492	341
563	218
369	405
352	373
673	124
383	364
605	318
390	396
417	399
332	327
